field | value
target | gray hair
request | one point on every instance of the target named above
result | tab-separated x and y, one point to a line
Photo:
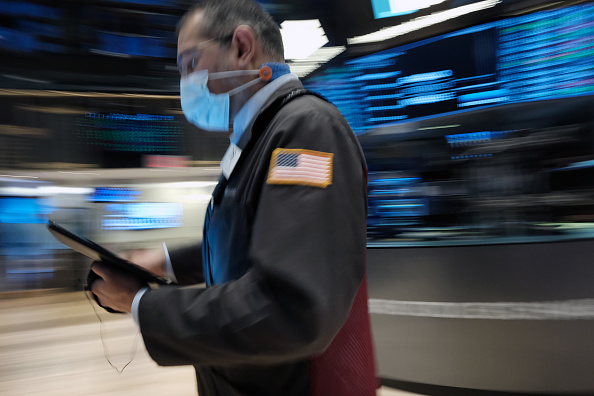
222	17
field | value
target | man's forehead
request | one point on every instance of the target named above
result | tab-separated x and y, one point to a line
191	33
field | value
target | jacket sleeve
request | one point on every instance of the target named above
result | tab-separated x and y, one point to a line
186	263
307	253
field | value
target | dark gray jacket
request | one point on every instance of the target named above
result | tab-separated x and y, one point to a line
285	310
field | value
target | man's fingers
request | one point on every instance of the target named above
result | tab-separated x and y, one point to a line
97	287
100	269
114	289
97	290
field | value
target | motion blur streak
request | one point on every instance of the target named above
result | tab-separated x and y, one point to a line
50	346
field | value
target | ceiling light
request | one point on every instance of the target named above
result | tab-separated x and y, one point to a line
422	22
302	38
407	6
303	67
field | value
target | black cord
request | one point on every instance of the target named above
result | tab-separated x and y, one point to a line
105	350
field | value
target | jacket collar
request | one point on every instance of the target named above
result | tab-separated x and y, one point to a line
283	89
248	113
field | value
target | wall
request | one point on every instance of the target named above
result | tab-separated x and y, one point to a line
546	347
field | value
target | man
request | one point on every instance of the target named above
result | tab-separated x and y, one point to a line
283	251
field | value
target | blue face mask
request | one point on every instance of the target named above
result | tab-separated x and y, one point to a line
204	109
210	111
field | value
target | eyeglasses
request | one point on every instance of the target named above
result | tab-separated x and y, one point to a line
188	60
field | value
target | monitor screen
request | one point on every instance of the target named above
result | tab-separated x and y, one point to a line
136	133
391	8
142	216
114	194
544	55
20	210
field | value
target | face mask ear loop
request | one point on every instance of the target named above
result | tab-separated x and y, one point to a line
244	86
232	73
264	74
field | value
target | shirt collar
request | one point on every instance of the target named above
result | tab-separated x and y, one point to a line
254	104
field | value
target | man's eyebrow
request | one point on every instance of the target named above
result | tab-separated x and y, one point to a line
184	52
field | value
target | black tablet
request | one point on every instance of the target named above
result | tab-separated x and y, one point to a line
99	253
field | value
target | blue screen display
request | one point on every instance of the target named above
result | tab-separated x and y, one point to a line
545	55
142	216
18	210
387	8
114	194
133	133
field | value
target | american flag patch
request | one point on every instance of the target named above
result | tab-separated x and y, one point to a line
306	167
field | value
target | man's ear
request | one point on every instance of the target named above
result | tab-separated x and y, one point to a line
246	46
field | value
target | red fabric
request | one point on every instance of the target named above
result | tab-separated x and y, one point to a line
347	367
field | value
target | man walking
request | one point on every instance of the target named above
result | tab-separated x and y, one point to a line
283	250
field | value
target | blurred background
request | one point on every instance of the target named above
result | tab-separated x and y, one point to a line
476	119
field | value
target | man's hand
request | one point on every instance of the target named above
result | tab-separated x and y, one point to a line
115	289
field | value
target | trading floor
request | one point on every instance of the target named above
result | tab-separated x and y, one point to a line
51	345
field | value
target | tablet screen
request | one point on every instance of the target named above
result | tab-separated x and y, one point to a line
99	253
